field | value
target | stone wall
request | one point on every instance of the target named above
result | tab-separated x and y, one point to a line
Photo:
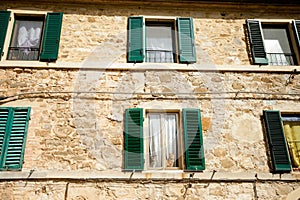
220	33
77	116
76	122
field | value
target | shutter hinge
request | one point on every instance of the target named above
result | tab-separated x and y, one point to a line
9	18
2	54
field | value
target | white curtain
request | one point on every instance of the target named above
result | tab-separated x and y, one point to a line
276	52
155	156
171	139
159	43
156	147
27	34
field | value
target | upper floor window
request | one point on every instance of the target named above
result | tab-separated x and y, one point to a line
166	142
161	40
272	43
29	36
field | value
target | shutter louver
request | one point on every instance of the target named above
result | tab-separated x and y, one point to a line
187	50
133	139
136	39
296	25
15	138
277	142
4	19
4	115
194	151
258	52
51	37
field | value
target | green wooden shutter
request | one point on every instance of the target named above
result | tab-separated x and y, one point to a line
133	139
186	43
296	25
15	138
4	116
258	52
136	39
277	142
51	36
194	151
4	19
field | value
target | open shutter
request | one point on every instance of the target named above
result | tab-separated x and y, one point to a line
51	36
133	139
187	50
15	139
194	151
258	51
277	142
4	19
4	118
296	25
136	39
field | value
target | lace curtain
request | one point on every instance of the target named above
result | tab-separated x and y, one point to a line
160	146
27	34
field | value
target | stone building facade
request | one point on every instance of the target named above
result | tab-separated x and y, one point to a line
75	140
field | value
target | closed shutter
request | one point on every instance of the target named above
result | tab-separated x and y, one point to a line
136	39
186	43
51	37
258	52
194	151
4	18
296	26
277	142
133	139
15	138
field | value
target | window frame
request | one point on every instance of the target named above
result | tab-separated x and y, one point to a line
184	39
161	22
134	134
15	17
292	39
283	115
179	138
46	37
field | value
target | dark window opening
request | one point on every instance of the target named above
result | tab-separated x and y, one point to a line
160	42
278	45
26	38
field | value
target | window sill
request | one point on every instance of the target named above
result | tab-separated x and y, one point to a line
147	175
197	67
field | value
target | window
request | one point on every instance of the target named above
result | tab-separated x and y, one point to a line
33	36
163	144
291	128
163	140
272	43
161	40
13	132
283	131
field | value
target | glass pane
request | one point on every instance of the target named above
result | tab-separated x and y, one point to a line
26	39
159	42
277	45
171	140
155	143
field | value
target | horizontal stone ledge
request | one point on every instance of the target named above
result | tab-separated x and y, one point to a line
98	66
176	175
